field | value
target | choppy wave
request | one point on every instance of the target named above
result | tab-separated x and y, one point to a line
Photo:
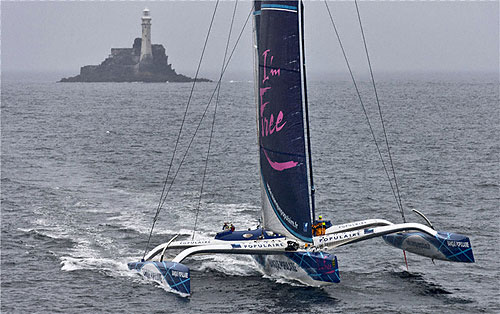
48	237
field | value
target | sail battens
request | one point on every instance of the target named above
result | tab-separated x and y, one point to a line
281	119
283	153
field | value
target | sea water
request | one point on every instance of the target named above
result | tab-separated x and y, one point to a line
83	166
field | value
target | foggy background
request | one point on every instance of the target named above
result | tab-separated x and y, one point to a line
58	38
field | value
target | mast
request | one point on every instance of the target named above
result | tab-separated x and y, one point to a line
306	105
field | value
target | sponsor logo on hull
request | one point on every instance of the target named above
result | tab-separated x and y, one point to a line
418	244
458	244
262	245
338	237
282	265
153	276
202	242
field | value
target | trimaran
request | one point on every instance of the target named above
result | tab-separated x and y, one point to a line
286	243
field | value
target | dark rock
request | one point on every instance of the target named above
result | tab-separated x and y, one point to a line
123	65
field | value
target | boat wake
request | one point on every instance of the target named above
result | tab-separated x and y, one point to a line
228	265
423	286
285	281
108	265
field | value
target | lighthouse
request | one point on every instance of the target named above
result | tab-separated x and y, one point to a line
146	52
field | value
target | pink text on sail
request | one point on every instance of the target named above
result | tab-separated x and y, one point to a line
268	124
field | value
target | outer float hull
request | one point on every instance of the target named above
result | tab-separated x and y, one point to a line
168	274
445	246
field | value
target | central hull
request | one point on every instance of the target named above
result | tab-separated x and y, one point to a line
312	269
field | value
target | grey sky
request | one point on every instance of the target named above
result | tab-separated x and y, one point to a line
425	36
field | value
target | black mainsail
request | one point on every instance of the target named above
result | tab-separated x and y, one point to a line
282	122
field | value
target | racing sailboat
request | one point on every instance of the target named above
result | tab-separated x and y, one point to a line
287	243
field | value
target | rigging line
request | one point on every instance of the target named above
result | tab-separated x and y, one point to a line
380	112
362	104
163	195
206	108
210	100
213	119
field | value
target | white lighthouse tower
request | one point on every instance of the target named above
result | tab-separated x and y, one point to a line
146	51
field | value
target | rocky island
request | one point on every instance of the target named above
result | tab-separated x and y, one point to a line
143	62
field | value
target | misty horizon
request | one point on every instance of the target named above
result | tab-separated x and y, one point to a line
415	38
484	76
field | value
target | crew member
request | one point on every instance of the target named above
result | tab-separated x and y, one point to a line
319	227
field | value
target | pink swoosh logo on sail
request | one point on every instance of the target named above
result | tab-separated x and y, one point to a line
280	166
